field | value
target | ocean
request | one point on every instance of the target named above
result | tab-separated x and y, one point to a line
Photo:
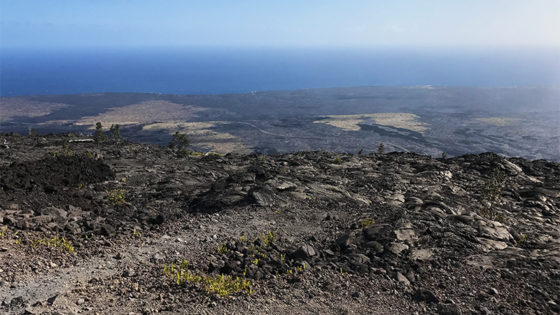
241	70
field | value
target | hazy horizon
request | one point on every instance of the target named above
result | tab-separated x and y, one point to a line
213	47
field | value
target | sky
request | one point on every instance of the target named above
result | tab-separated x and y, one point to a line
286	23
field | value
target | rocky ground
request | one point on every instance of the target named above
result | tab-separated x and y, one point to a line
137	229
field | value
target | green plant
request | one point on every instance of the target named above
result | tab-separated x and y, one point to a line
367	222
116	196
268	237
56	242
179	141
522	239
491	193
223	249
493	187
182	153
443	155
136	233
197	154
361	152
223	285
115	132
381	148
337	161
296	269
99	136
226	285
3	231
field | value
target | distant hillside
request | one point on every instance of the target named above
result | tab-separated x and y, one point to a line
521	121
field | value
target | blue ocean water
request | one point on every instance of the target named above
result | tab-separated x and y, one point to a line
223	70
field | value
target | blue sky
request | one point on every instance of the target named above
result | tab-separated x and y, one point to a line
286	23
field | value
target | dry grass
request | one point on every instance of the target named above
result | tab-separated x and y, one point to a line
398	120
498	121
203	136
19	107
143	113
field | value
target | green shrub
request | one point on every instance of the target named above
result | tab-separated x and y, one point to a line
367	222
116	196
99	136
115	132
491	193
179	141
222	285
55	242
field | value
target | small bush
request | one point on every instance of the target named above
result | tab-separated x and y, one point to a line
99	136
493	187
381	148
116	196
491	193
115	132
226	285
179	141
522	239
268	237
222	285
55	242
367	222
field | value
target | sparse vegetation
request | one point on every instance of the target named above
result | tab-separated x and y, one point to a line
337	160
226	285
179	141
56	242
32	132
381	148
115	132
522	238
367	222
223	249
116	196
182	153
99	136
222	285
136	233
268	237
492	193
492	189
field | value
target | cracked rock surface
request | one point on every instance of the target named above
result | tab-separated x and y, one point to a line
313	232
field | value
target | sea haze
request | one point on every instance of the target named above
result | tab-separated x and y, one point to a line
222	70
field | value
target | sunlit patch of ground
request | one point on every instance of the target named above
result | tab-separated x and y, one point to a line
142	113
498	121
398	120
21	107
203	136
